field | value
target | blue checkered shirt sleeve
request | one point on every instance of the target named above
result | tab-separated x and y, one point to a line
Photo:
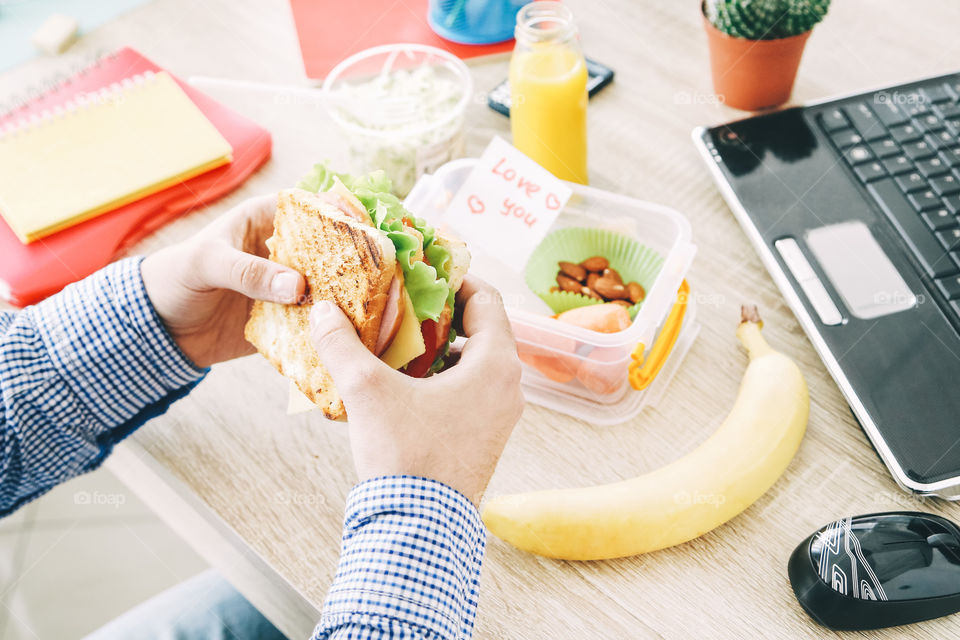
79	372
409	563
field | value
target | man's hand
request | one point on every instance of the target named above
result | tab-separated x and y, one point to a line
203	288
451	427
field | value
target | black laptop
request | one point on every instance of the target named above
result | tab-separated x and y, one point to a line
854	206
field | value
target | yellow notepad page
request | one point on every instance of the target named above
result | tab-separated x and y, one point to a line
101	152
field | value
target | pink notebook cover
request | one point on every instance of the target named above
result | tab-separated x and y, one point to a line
29	273
331	30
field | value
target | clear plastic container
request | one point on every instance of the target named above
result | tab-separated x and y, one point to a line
401	109
599	391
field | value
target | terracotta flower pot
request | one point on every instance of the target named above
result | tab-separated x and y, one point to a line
753	74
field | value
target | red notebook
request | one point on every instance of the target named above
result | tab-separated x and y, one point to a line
31	272
331	30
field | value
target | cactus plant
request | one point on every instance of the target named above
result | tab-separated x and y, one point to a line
765	19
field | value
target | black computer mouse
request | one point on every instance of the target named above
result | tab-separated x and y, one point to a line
879	570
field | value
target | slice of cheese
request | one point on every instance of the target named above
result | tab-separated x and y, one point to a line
407	345
297	402
341	190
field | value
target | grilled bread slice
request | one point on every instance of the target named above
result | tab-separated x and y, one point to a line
343	260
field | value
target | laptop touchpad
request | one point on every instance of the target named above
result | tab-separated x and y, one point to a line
859	270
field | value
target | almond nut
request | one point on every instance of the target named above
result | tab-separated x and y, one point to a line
610	289
575	271
592	278
567	283
622	303
554	289
612	273
636	292
587	291
595	264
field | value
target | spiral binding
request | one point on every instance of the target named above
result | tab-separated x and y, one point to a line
77	102
110	94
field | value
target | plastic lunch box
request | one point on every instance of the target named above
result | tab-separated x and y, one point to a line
665	326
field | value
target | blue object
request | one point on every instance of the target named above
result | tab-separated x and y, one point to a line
474	21
19	20
203	607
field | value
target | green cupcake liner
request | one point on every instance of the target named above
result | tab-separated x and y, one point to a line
634	261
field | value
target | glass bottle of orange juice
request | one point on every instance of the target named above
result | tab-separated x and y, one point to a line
548	90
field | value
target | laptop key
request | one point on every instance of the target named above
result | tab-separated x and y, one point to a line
939	220
936	93
870	171
917	150
924	200
865	122
941	139
922	243
950	239
932	167
950	156
910	182
833	120
890	113
884	148
945	185
949	287
905	133
928	122
918	107
952	202
947	110
857	154
900	164
846	138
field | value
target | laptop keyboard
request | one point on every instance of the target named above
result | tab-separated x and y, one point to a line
904	147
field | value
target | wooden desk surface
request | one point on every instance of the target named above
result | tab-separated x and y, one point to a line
261	494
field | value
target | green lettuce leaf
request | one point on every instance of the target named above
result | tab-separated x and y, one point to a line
319	179
428	286
406	245
427	292
440	259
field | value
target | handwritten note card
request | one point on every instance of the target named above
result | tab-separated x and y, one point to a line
507	204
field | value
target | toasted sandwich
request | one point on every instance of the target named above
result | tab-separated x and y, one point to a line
392	274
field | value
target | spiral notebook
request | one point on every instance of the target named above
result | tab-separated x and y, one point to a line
100	151
30	272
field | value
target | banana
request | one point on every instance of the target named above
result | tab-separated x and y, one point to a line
685	499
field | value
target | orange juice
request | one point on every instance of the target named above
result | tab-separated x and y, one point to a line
548	88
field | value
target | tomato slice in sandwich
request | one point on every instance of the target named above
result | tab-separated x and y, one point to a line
434	336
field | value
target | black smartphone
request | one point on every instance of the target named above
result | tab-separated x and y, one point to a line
598	76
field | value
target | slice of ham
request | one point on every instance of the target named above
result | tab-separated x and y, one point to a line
392	315
345	207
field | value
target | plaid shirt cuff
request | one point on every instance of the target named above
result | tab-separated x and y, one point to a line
105	340
409	564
